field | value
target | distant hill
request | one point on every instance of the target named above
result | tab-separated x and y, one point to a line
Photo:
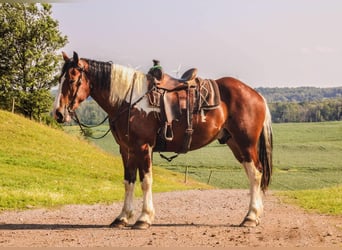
299	94
43	167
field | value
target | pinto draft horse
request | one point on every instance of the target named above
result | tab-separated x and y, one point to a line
242	121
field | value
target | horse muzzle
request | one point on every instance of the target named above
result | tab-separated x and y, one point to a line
62	116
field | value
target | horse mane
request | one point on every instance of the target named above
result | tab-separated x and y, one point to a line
116	79
121	82
100	72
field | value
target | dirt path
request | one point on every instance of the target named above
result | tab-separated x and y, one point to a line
191	218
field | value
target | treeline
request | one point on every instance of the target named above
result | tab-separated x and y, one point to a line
300	94
304	104
317	111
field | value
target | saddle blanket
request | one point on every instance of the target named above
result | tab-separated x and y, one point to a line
204	96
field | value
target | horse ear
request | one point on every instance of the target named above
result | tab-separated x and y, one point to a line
65	56
75	57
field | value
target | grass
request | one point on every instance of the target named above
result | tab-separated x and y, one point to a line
305	156
44	167
308	157
326	200
307	164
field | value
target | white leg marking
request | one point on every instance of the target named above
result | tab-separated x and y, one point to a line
255	205
147	214
127	210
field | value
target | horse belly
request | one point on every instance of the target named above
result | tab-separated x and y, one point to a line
205	130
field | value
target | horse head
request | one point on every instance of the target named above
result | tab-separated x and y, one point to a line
74	87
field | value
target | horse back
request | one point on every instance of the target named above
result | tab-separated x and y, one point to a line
244	104
239	95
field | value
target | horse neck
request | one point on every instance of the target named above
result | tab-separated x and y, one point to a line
102	98
110	84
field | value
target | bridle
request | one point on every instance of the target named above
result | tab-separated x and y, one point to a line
72	103
78	84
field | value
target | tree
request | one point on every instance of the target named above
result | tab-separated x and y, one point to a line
28	61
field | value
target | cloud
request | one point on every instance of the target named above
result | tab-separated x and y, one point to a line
318	49
324	49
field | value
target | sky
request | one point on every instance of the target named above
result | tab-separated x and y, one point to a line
264	43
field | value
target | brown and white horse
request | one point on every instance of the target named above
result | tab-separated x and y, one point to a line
242	121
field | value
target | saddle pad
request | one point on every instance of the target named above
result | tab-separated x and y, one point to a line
209	95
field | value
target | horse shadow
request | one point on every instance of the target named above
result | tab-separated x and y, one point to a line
36	226
32	226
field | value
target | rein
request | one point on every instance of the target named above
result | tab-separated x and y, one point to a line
82	126
127	108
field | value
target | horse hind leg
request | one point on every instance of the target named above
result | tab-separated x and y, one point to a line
258	167
255	210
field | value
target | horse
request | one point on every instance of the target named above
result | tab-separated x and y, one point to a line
242	121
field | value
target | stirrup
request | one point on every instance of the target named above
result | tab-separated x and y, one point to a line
168	133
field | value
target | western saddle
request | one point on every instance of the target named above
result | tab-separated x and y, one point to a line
173	96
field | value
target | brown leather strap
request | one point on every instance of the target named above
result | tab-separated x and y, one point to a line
189	115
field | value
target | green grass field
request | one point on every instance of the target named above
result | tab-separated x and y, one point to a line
40	166
305	156
307	164
44	167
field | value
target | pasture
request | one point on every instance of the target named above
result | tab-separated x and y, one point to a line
307	164
305	156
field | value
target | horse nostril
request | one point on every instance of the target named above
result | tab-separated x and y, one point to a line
59	117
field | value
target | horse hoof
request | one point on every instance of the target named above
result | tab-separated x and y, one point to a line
247	222
142	225
118	223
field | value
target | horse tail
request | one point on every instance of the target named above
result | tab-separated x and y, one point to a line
265	150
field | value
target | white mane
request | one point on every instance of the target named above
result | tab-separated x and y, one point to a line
121	81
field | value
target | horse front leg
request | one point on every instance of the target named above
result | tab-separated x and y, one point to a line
130	172
146	217
255	210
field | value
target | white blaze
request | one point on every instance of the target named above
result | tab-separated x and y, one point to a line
58	96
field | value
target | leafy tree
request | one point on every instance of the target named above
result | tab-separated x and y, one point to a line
91	113
317	111
28	62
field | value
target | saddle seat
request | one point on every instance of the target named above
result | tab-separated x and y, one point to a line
170	83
